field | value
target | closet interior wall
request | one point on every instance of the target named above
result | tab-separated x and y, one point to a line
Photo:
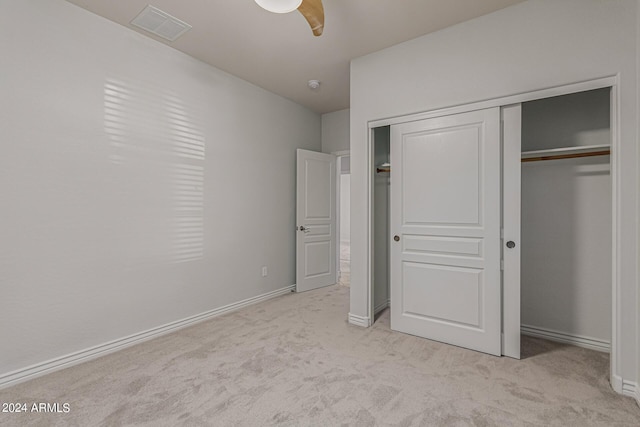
382	138
566	220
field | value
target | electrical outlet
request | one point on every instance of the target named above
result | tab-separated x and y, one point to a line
264	271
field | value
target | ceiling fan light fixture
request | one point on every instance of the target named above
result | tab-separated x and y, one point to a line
279	6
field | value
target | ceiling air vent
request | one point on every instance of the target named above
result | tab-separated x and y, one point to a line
160	23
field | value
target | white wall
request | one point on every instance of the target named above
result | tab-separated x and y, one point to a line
533	45
566	218
335	131
638	141
345	207
139	186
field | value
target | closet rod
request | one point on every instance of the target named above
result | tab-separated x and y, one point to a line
566	156
542	158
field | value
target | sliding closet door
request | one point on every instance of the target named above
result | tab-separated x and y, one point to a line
445	223
511	190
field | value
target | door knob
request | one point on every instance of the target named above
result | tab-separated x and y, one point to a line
511	244
396	238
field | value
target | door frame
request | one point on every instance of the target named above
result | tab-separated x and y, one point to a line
610	82
340	155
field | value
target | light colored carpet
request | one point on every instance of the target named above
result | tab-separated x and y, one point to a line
295	361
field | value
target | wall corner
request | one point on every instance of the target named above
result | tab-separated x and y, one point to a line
361	321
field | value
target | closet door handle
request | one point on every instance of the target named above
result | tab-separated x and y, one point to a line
511	244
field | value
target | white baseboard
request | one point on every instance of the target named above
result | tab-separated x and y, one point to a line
630	388
364	322
381	307
616	383
577	340
33	371
625	387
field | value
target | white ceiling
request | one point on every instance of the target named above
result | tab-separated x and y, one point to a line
279	52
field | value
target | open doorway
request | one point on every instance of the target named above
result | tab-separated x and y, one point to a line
381	204
344	215
565	220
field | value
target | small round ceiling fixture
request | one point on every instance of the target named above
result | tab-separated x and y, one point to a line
279	6
313	84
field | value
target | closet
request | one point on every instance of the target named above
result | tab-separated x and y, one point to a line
381	178
565	256
445	189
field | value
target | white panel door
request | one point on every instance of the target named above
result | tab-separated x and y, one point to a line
316	249
511	211
445	227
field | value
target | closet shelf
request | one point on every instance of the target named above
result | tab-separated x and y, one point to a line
566	153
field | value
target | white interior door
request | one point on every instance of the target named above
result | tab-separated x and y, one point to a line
316	220
512	169
445	227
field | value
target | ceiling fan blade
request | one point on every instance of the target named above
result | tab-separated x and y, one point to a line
313	12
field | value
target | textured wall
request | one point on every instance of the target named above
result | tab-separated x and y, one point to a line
335	131
531	46
139	186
